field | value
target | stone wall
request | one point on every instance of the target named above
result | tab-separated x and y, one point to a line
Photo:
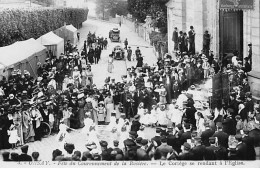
201	14
204	15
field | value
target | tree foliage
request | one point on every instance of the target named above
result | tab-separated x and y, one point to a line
23	24
112	7
155	8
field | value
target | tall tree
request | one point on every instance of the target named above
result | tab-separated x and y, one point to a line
104	5
155	8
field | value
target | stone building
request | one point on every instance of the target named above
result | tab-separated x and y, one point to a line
233	24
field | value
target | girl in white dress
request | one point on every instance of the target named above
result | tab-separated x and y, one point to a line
144	119
140	110
153	116
176	115
112	123
200	123
14	138
88	122
162	116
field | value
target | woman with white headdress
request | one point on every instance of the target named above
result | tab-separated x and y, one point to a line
162	116
144	119
112	125
63	135
93	135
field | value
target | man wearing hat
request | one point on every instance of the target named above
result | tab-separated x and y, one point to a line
142	151
206	134
129	53
222	136
163	149
199	149
172	140
24	156
249	141
106	152
241	148
116	148
157	137
229	125
186	153
211	151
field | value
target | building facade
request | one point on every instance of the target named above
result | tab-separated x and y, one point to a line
232	24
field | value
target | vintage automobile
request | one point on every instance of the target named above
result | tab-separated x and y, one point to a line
114	35
118	53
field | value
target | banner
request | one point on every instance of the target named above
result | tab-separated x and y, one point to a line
236	4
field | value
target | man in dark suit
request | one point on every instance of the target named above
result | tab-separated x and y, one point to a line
210	152
163	149
187	133
249	141
181	42
206	134
241	148
173	141
199	149
222	136
118	150
157	137
191	40
141	152
24	156
175	38
186	153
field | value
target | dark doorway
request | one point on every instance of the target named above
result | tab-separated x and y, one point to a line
231	32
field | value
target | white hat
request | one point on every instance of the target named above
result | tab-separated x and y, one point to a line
40	94
80	96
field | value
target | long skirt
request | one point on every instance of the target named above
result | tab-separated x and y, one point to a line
94	116
81	117
29	134
109	108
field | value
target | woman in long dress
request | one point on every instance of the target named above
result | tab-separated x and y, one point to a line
81	104
83	77
89	75
17	120
110	64
162	95
109	104
28	131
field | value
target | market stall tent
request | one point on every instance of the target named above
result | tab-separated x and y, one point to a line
68	32
53	43
23	55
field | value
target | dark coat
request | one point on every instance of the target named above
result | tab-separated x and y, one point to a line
199	152
222	138
249	141
186	156
24	157
142	155
205	136
242	151
185	136
210	153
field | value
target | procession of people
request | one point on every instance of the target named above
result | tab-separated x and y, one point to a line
165	96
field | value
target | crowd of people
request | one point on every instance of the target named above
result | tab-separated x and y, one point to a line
162	96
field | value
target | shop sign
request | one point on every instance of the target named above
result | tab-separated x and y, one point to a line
236	4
